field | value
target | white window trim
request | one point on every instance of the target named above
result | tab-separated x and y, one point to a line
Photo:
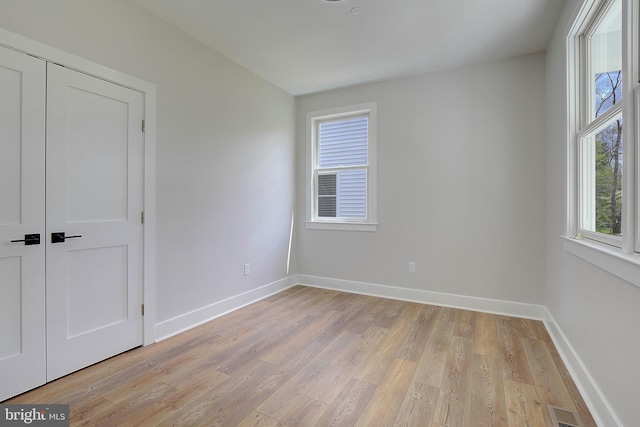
624	260
370	222
633	180
585	175
608	258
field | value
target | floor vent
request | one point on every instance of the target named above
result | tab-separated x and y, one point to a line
564	418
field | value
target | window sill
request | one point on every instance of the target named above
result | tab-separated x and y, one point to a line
343	226
608	258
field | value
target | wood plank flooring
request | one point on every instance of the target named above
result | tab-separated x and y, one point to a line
314	357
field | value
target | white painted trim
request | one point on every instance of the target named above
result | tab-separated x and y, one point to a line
31	47
594	398
184	322
371	222
342	226
508	308
149	237
608	258
630	58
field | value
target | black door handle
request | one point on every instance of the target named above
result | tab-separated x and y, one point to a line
29	239
59	237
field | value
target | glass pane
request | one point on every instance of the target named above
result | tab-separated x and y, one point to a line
343	142
352	193
608	87
608	179
327	185
605	60
327	200
327	206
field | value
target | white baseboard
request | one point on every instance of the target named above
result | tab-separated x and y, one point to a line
174	326
508	308
600	409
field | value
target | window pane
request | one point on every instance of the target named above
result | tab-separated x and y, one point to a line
327	200
327	206
343	142
605	60
352	194
327	185
608	87
608	179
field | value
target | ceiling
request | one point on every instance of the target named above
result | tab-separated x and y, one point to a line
306	46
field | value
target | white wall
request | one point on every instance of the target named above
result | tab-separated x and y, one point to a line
460	184
225	150
597	313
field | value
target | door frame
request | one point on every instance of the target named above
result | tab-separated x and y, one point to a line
47	53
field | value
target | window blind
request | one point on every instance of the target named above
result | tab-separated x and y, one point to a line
343	142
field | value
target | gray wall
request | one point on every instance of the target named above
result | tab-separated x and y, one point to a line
225	149
460	184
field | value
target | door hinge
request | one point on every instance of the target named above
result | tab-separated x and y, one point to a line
143	126
142	217
142	309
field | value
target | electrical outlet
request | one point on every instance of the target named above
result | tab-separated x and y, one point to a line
412	267
247	269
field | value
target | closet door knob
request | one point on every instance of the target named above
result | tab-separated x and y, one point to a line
29	239
59	237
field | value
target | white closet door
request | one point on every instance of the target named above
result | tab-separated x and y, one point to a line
94	196
22	286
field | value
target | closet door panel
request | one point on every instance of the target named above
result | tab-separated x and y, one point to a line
94	197
22	213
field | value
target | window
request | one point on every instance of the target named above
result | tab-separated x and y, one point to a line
600	138
341	178
602	95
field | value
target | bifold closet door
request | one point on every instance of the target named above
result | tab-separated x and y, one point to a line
22	216
94	199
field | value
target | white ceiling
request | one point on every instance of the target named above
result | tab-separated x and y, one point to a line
306	46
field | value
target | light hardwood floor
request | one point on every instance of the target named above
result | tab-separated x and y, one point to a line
314	357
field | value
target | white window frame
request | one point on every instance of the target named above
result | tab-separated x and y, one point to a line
313	221
590	126
619	256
